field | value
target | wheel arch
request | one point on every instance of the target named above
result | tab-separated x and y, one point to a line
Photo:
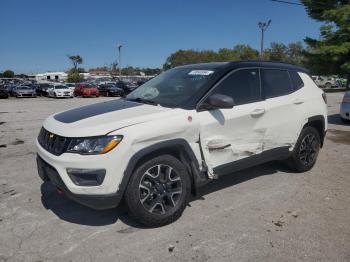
319	123
178	148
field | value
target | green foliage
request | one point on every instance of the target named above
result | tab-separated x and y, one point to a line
245	52
8	74
74	76
293	53
182	57
76	60
318	9
129	70
330	54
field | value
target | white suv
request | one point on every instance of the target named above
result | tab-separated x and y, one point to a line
180	130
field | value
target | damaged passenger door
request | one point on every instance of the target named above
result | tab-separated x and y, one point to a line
231	134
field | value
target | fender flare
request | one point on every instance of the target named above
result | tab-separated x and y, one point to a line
318	118
190	161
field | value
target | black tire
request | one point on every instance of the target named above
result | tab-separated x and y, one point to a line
328	85
345	121
306	150
148	200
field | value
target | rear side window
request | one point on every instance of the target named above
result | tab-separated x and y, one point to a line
297	82
243	86
275	82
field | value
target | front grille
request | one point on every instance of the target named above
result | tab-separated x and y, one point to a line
53	143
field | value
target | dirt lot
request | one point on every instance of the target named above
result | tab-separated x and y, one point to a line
262	214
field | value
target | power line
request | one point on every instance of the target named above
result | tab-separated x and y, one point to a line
287	2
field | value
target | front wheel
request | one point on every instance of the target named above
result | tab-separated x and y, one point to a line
158	191
306	150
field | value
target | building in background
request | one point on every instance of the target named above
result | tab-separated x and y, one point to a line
51	76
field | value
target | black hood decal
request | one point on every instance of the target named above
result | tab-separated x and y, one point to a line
94	110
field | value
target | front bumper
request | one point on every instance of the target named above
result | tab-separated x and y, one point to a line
49	173
25	95
64	95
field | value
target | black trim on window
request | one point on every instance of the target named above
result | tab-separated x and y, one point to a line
296	86
278	95
217	84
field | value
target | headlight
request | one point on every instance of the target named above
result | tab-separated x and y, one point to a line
93	145
346	100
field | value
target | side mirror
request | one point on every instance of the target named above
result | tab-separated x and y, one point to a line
217	101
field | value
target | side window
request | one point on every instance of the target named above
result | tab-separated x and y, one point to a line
297	82
275	82
243	86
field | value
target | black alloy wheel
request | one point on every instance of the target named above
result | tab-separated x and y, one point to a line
160	189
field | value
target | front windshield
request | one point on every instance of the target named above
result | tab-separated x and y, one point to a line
172	87
25	88
61	87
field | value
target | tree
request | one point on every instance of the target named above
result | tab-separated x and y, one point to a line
74	76
293	53
8	74
277	52
76	60
183	57
330	54
245	52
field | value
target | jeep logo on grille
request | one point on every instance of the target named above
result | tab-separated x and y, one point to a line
51	136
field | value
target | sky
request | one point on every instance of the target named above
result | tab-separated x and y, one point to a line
37	35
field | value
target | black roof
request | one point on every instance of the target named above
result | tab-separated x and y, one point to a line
246	63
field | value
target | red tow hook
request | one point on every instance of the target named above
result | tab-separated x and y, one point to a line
59	191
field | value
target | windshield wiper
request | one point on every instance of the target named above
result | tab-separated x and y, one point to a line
141	100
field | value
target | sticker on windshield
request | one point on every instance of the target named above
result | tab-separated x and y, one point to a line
201	72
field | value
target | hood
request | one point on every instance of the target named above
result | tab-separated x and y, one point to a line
103	118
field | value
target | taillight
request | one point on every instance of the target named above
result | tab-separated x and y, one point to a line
324	98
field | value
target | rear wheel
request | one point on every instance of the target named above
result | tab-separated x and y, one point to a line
306	150
158	191
345	121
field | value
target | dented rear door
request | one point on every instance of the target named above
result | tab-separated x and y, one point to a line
228	135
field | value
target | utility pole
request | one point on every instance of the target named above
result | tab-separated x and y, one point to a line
120	59
263	27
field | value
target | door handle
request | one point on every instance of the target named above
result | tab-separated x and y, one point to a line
257	112
298	101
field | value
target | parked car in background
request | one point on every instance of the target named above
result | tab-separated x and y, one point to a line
71	86
59	91
141	81
341	81
345	108
3	92
11	89
42	89
25	91
326	81
127	86
86	90
110	90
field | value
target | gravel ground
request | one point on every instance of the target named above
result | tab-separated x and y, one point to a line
265	213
